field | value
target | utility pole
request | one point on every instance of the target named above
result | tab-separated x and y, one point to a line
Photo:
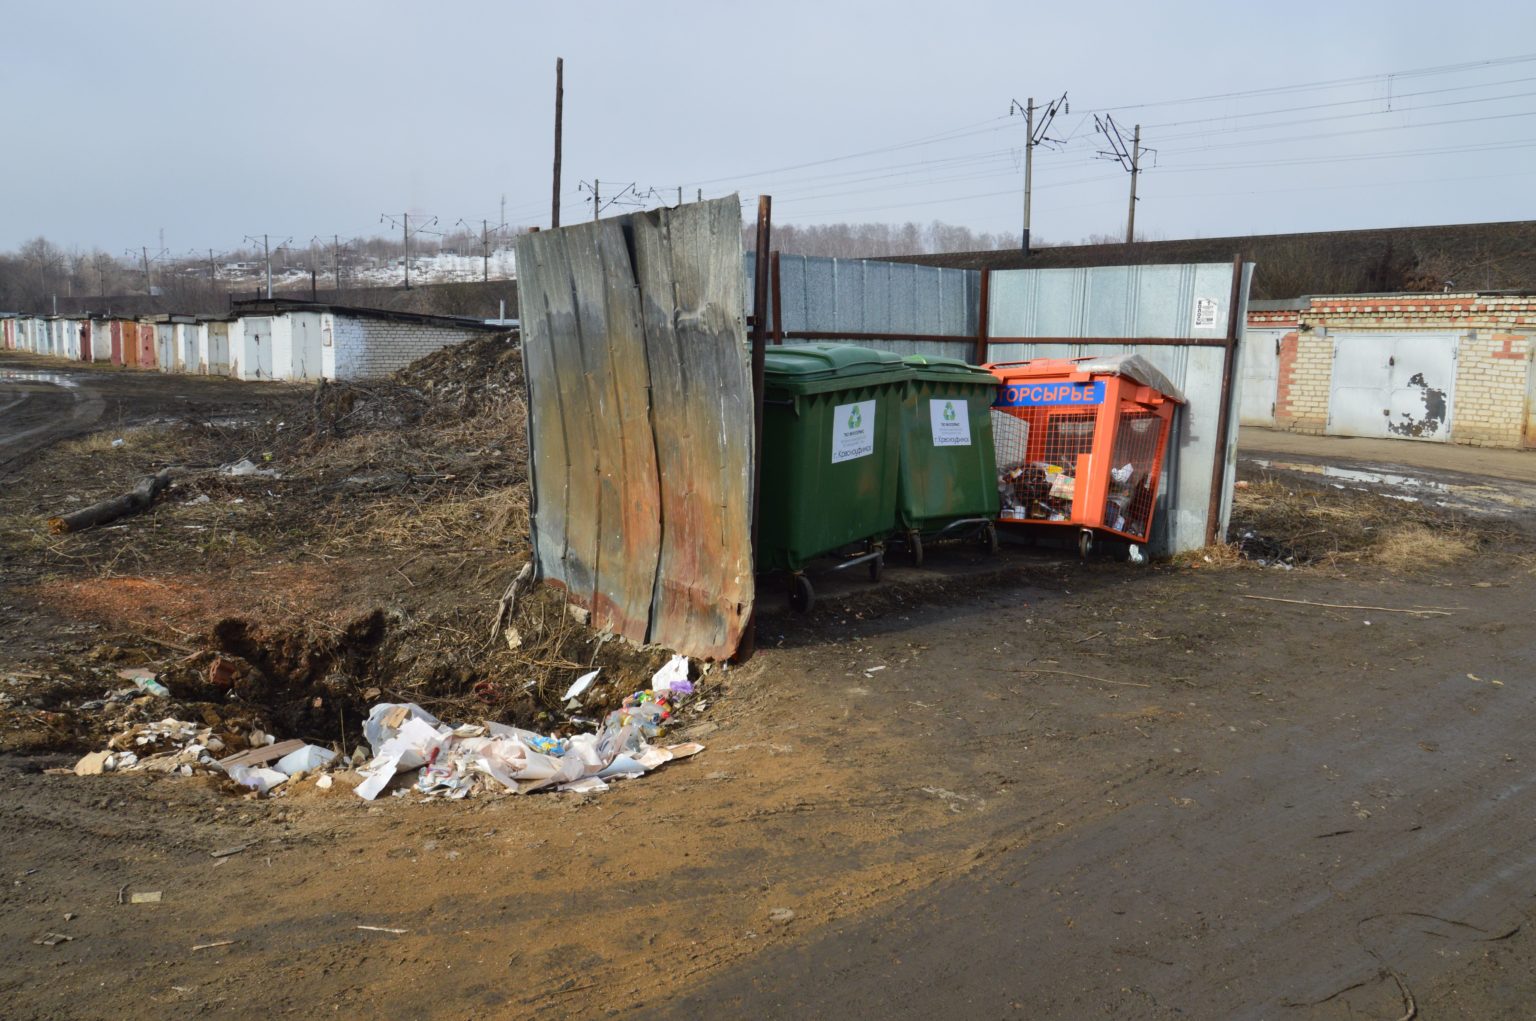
597	200
1035	135
1130	216
485	250
554	210
336	261
405	235
144	252
266	254
213	271
1129	157
679	194
1029	164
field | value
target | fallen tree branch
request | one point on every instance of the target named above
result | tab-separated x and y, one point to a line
1349	606
506	606
132	502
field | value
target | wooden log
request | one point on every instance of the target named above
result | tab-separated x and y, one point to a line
131	502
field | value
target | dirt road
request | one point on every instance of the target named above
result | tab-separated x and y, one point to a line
44	400
1052	790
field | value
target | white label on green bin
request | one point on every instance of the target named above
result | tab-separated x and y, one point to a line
951	422
853	431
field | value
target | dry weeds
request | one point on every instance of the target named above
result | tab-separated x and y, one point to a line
1275	520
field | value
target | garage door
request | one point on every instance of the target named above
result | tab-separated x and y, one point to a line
1261	376
1394	385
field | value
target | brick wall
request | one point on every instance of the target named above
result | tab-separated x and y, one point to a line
371	348
1306	369
1489	406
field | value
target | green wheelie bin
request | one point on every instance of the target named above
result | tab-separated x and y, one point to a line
947	487
831	415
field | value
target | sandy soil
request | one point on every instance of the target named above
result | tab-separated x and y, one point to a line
1042	789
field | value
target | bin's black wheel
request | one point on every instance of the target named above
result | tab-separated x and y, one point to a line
1084	543
989	538
915	544
802	594
877	566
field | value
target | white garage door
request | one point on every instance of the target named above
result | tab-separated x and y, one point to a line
1261	376
1396	385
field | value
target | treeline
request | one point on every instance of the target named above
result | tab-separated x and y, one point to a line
40	273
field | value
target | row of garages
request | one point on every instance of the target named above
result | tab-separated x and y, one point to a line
1441	367
264	340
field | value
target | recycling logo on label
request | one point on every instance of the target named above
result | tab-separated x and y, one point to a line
950	428
853	432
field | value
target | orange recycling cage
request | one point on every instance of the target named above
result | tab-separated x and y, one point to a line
1080	445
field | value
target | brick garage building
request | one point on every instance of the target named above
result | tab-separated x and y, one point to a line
1446	367
303	340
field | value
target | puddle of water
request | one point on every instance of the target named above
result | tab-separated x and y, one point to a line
30	376
1415	489
1351	475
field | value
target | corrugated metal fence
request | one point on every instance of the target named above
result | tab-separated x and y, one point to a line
1070	313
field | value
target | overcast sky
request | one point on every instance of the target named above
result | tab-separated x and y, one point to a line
212	121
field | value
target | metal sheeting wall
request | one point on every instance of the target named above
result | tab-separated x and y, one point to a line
1173	302
864	296
641	422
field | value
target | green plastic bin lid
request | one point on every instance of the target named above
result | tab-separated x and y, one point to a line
821	365
957	370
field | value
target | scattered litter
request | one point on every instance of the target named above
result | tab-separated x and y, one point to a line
1137	557
167	746
145	680
152	897
260	778
52	939
580	685
453	762
324	781
380	928
781	915
225	852
217	943
260	756
245	466
673	676
118	442
198	500
304	760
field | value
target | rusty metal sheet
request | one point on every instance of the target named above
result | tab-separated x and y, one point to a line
640	422
690	268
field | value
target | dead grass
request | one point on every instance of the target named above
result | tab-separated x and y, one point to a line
1275	520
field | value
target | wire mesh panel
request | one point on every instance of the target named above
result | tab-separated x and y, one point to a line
1134	469
1039	460
1080	452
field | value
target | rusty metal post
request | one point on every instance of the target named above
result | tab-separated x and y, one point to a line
760	312
1224	413
778	302
983	322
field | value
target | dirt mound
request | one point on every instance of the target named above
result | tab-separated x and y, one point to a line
362	562
477	379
